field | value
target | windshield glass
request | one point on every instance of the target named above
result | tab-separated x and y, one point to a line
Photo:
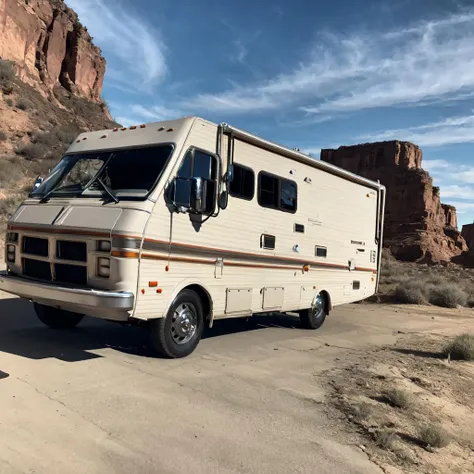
128	173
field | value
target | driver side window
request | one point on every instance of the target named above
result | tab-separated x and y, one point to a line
198	164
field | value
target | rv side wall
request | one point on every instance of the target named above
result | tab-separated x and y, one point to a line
328	244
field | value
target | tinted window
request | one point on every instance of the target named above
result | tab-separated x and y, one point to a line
288	196
276	192
243	182
268	191
198	164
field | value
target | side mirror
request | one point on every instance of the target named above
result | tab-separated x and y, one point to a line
190	195
198	195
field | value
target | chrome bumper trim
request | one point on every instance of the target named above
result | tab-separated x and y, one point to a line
29	289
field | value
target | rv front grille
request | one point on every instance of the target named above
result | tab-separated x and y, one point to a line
35	246
37	269
76	251
72	274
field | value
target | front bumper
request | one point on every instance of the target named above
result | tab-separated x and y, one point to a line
47	293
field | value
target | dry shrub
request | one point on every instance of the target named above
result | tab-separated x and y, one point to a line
462	348
3	136
412	292
7	72
448	295
10	171
32	151
23	104
361	412
385	439
433	436
9	205
399	398
9	102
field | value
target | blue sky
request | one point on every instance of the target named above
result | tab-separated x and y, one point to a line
305	73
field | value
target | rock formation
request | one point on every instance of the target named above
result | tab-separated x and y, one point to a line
50	46
417	226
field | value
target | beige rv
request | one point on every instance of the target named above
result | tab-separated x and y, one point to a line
183	222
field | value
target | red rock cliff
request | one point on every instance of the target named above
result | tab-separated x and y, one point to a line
50	46
417	226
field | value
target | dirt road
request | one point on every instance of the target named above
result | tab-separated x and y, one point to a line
247	401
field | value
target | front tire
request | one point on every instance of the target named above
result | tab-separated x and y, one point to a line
314	317
179	333
56	318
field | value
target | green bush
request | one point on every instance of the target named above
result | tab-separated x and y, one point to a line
9	102
462	348
448	295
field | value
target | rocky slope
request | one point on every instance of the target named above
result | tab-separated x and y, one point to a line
418	227
50	89
50	46
468	234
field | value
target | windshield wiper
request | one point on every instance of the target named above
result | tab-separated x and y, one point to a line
106	189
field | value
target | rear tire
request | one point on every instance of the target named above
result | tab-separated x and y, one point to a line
179	333
314	317
56	318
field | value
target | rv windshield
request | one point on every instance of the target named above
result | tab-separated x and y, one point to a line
130	173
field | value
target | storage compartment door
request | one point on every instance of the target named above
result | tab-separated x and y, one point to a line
272	298
238	301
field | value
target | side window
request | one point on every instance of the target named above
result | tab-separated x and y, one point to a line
268	190
243	183
277	193
288	196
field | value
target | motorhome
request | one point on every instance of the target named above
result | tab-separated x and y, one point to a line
182	222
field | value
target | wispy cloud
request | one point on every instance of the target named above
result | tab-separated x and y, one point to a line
157	112
133	45
449	131
428	62
240	51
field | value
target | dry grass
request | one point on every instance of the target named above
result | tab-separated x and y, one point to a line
32	151
462	348
11	171
433	436
399	398
410	283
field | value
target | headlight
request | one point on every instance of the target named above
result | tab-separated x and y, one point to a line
12	236
104	246
103	267
11	253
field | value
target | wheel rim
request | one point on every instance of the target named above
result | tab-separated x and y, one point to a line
317	308
184	323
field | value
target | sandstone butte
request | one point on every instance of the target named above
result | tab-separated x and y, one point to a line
418	227
50	47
